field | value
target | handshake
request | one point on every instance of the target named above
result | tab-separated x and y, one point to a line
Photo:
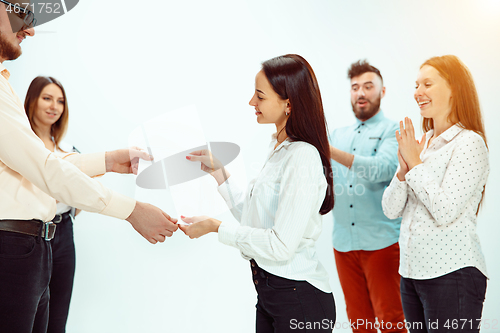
151	222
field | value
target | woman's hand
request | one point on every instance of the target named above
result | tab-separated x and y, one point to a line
409	148
210	164
403	167
199	226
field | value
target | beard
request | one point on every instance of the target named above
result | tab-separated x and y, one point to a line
7	50
368	111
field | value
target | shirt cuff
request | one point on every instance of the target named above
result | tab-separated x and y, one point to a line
417	178
92	165
227	233
224	190
398	184
120	206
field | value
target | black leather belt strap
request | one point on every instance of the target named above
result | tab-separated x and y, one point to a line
30	227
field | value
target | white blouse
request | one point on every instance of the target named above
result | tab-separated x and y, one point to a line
438	202
64	150
279	215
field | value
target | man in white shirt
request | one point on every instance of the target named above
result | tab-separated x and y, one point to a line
31	177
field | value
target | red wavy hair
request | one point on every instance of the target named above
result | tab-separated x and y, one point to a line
465	109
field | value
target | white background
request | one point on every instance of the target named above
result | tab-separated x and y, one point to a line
124	62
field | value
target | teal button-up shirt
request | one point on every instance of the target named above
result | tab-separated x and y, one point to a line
359	222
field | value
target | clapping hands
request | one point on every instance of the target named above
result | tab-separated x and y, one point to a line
409	148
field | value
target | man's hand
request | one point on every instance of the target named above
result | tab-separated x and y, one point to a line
125	160
152	223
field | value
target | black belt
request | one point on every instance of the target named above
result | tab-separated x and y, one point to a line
46	230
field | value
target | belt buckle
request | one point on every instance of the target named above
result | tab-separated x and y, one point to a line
46	227
57	218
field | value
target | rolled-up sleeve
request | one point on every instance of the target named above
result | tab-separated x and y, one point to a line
384	164
92	164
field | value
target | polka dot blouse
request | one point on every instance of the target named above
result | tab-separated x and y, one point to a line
438	202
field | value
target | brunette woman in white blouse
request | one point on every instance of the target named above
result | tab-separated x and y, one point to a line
47	110
280	214
437	190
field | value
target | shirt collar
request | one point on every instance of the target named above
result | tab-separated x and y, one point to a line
5	73
274	140
447	135
452	132
373	120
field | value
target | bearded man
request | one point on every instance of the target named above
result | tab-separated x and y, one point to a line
365	241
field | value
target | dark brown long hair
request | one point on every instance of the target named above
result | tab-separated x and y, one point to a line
59	128
292	78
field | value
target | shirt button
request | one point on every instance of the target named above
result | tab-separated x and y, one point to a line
256	282
352	223
354	149
350	185
362	124
375	149
253	265
359	131
351	206
254	272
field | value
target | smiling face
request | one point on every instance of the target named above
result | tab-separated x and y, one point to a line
269	107
366	93
10	41
433	94
49	107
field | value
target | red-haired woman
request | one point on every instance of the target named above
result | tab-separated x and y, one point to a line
437	190
47	110
280	214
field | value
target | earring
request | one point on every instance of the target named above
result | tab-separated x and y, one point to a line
287	113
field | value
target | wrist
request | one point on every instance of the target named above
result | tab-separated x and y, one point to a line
414	163
220	175
401	176
108	161
215	225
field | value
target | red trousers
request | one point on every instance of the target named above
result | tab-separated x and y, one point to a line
370	282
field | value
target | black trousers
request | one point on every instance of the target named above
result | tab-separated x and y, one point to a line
25	268
63	273
285	305
449	303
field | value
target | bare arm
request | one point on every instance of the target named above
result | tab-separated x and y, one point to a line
341	156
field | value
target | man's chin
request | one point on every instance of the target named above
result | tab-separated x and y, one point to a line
9	50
